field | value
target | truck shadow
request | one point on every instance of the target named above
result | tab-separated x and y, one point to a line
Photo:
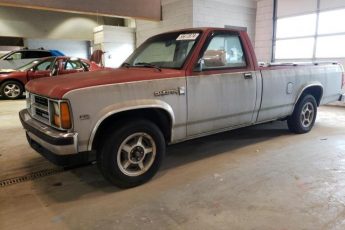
76	183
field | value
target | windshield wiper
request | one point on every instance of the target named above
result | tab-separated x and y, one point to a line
146	64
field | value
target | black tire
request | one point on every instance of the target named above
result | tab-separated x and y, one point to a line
11	90
303	117
114	170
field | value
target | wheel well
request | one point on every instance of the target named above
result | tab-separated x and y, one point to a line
16	80
158	116
315	91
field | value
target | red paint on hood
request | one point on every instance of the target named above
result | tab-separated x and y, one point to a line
56	87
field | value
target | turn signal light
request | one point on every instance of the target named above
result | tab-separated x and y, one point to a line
65	116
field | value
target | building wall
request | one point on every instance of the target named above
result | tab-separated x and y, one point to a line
264	30
70	48
27	23
148	9
220	13
117	43
179	14
176	14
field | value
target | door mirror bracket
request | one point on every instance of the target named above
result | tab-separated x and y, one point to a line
200	65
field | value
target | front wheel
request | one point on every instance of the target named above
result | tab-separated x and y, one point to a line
11	90
132	154
303	118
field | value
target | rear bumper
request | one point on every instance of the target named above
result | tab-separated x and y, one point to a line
61	148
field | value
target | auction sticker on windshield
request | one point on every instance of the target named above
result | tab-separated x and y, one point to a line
191	36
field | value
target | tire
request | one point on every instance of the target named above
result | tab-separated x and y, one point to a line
132	154
11	90
303	117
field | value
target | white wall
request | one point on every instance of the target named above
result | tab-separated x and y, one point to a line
219	13
20	22
180	14
117	42
264	30
70	48
177	14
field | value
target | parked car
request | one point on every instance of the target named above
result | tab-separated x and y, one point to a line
12	82
175	87
18	58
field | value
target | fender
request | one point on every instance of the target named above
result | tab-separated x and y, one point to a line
127	106
305	87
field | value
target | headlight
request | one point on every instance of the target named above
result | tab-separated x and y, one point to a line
28	100
61	116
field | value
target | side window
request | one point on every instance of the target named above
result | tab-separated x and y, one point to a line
15	56
44	65
224	51
70	65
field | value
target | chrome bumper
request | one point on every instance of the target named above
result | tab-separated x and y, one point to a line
56	142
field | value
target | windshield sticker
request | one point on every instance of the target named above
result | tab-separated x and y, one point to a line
192	36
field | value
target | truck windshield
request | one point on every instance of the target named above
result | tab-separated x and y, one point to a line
164	51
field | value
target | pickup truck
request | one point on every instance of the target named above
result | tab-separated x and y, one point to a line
176	86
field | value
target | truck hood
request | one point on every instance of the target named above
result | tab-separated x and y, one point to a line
56	87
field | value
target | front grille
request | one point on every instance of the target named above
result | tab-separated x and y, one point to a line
42	113
42	109
41	101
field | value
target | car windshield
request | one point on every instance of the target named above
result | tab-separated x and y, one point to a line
164	51
28	66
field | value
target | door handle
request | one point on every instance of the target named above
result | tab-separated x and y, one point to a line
248	76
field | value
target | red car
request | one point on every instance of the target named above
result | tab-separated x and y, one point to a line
12	82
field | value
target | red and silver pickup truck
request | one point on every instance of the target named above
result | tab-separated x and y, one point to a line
176	86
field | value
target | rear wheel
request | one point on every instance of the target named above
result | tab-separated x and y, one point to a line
11	90
303	118
132	154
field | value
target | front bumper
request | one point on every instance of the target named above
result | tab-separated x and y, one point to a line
59	147
59	143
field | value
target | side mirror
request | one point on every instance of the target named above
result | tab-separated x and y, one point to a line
215	58
200	65
32	70
9	58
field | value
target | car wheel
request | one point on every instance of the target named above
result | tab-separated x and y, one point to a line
132	154
303	118
11	90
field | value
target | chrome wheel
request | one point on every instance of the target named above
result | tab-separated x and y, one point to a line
307	114
136	154
12	90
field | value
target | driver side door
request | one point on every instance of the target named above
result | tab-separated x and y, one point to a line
222	92
41	70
